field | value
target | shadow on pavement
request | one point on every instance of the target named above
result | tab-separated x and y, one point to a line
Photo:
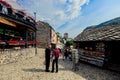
33	70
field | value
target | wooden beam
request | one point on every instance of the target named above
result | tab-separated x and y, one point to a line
7	22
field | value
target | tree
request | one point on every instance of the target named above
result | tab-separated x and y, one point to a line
69	43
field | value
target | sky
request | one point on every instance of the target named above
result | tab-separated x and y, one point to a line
71	16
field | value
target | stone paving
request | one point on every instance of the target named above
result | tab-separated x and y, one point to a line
32	68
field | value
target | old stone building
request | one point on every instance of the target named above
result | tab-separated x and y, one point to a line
45	34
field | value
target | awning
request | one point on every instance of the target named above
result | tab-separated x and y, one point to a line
8	22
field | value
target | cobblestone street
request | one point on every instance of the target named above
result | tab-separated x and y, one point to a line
32	68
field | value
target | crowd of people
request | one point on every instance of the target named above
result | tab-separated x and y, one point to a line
68	53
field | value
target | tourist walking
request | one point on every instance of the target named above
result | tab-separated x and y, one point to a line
47	57
75	58
55	57
66	53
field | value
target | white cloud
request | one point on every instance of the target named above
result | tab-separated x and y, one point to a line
51	8
74	9
55	12
71	10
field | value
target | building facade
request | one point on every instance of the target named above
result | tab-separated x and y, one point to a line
16	28
46	35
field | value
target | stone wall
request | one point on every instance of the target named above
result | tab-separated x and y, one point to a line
11	55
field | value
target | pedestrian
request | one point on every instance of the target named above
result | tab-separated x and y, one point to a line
47	57
75	58
70	54
66	53
55	57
